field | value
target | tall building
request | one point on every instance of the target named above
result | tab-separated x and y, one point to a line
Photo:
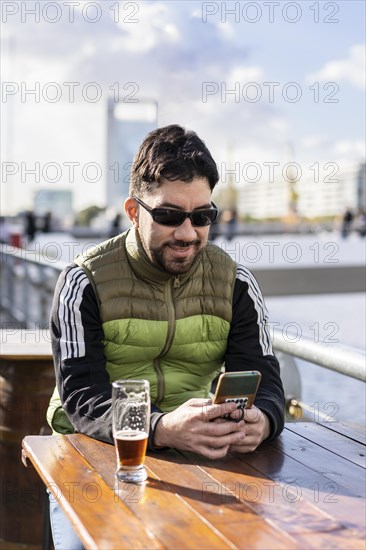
264	199
128	124
328	193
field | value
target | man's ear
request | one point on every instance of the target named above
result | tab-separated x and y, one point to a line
131	209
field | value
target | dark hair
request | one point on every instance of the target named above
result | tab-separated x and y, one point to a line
171	153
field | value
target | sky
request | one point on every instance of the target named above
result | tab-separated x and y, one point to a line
251	78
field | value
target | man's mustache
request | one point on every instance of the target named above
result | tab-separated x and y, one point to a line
183	244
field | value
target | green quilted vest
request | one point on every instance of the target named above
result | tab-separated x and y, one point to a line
170	330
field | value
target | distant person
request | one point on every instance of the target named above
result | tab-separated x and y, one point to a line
229	223
47	223
4	230
232	224
30	226
361	223
347	223
116	226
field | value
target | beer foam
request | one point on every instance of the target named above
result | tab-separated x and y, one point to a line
129	434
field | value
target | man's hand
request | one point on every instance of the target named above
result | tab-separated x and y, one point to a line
256	429
196	426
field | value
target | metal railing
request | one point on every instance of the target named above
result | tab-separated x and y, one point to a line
342	359
28	283
337	358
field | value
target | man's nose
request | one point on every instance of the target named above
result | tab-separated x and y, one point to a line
185	232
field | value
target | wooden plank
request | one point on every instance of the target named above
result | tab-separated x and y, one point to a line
352	431
159	508
178	476
338	540
219	505
269	498
344	473
99	520
279	502
307	483
331	440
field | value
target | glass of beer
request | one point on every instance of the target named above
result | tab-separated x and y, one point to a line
131	422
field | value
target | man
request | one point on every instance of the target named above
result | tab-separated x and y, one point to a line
159	302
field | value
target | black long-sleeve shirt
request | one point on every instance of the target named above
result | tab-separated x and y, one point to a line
83	381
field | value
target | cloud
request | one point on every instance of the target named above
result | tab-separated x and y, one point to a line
314	141
245	73
167	54
350	69
350	147
323	149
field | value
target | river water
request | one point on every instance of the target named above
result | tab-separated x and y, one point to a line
329	319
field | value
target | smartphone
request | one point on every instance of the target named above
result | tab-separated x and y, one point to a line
240	387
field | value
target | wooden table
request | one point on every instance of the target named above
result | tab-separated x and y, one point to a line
304	490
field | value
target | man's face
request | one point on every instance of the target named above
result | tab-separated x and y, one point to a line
174	248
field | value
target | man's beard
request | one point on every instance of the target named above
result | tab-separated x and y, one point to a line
175	266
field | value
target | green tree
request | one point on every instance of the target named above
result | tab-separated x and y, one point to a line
85	216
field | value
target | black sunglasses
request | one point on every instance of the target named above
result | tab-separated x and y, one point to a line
172	217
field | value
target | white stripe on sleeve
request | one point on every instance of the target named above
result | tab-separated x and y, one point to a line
72	341
243	274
